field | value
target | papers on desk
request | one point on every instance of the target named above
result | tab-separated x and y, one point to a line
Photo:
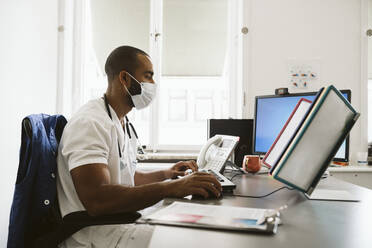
213	217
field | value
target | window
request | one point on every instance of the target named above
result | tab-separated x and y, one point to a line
194	50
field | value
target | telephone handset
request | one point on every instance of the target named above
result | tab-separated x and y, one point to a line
205	152
216	151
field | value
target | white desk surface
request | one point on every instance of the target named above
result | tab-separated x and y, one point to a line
351	168
306	223
153	166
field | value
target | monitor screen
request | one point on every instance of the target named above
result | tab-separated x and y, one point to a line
271	113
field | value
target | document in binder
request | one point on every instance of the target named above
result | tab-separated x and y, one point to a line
304	156
287	132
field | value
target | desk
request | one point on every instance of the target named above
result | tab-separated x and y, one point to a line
359	175
306	223
355	174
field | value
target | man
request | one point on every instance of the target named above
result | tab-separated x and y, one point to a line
96	159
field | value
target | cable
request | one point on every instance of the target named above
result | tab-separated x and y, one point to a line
262	196
237	174
234	167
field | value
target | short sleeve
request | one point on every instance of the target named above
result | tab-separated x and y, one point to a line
85	141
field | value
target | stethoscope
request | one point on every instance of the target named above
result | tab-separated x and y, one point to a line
128	126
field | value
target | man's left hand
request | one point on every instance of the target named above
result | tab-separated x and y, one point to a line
179	169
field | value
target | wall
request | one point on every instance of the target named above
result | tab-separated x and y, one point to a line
370	40
325	31
370	73
28	64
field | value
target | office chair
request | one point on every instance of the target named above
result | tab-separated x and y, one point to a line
41	225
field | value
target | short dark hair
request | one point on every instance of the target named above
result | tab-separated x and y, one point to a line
122	58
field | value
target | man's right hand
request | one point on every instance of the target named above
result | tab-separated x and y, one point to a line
199	183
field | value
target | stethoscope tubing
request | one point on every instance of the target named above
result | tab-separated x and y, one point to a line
127	124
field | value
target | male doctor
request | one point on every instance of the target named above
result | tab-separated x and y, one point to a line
97	158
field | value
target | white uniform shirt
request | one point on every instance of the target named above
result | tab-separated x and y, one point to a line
91	137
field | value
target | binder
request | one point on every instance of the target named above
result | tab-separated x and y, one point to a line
287	132
316	141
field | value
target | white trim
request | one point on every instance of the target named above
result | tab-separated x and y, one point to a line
239	87
175	148
231	69
65	43
364	77
193	77
60	58
80	8
156	10
246	61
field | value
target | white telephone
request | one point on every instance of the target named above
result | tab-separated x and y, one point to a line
216	151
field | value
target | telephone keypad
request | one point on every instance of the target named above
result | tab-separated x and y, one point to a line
214	165
220	179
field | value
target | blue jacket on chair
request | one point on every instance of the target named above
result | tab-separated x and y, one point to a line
35	189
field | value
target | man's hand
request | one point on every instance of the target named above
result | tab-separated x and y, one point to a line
179	169
199	183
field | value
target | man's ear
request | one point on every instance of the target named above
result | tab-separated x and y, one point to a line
125	79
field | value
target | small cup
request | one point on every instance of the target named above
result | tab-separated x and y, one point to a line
251	163
362	158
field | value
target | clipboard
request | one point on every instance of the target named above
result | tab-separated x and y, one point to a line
183	214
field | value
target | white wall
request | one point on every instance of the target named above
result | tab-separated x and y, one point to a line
328	31
28	64
370	73
370	40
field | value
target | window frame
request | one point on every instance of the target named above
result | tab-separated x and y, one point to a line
78	11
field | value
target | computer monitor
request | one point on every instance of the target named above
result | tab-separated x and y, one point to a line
271	113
